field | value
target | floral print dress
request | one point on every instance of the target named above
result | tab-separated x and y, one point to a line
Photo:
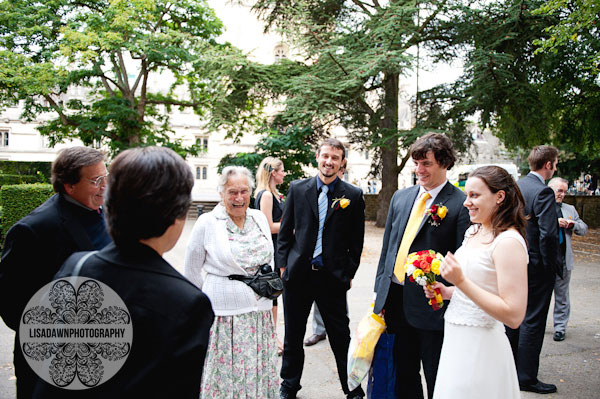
242	354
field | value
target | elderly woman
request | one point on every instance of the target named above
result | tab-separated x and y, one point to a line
148	196
232	239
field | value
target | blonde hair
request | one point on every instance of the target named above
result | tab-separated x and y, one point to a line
263	174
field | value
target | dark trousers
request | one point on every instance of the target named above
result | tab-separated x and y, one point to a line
526	341
26	377
412	346
330	296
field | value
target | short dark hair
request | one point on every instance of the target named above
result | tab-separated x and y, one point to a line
540	155
335	143
148	188
511	211
66	169
439	144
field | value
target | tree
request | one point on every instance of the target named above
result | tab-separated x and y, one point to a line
354	53
578	21
528	97
110	48
289	146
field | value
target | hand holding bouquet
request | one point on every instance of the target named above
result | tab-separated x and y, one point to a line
422	267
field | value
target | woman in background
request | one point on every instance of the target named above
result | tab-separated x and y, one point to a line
231	239
269	175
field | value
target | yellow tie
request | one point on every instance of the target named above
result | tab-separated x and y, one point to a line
410	232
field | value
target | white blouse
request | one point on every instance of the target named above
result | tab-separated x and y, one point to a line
209	252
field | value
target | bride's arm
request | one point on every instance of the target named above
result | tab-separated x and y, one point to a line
509	305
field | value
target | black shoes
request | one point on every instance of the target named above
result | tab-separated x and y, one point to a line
285	394
539	387
559	336
313	339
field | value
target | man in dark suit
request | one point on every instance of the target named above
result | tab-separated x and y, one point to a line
319	246
418	329
35	247
148	197
545	263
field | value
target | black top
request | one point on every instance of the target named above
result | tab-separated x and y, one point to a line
276	214
277	211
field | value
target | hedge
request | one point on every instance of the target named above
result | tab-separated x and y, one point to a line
6	180
26	168
20	199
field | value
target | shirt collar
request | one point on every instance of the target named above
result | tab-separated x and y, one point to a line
538	176
72	200
434	191
330	185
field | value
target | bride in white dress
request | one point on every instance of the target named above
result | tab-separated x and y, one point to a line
489	273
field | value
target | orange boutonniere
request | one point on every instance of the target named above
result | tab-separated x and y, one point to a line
437	212
338	203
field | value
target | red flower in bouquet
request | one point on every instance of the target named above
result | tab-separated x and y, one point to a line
422	267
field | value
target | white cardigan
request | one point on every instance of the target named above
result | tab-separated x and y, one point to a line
209	250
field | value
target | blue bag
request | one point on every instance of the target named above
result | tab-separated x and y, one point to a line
382	376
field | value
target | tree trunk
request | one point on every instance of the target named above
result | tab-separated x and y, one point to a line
389	151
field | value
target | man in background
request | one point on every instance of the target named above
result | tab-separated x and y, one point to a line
568	223
544	265
35	248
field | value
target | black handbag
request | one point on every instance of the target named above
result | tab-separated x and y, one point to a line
265	282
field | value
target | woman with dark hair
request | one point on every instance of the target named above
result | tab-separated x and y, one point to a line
148	196
489	273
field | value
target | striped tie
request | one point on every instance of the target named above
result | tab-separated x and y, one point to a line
322	213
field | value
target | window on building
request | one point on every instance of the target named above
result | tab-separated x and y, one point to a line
202	142
4	138
280	52
201	172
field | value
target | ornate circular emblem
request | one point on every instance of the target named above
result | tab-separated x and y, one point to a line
76	333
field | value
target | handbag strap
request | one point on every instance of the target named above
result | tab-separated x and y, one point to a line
80	262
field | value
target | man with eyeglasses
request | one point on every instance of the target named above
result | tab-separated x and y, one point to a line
72	220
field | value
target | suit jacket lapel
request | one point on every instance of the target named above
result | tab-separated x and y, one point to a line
74	228
311	195
340	190
411	196
441	198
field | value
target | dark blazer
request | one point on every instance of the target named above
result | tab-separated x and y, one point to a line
343	232
542	226
34	249
448	236
171	319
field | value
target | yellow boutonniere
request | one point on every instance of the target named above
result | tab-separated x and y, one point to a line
437	212
340	202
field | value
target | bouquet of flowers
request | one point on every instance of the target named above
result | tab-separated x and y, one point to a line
422	267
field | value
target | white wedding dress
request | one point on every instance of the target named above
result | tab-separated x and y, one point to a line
476	360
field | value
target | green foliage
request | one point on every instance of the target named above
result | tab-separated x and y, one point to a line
528	97
293	147
6	180
577	24
18	201
111	50
31	168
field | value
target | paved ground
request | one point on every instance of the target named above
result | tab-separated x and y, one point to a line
573	365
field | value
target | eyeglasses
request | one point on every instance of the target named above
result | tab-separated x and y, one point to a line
98	180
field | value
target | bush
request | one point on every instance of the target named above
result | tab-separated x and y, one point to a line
6	180
41	169
18	200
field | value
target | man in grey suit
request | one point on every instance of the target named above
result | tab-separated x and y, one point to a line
544	265
569	223
418	328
